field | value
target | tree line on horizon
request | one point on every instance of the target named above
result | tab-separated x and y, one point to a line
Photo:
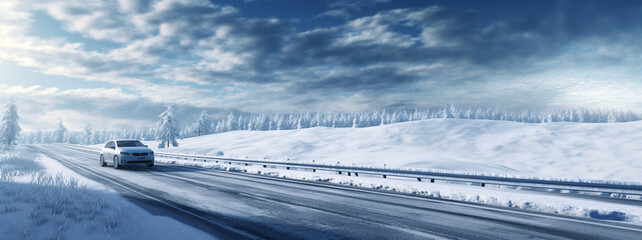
166	133
168	130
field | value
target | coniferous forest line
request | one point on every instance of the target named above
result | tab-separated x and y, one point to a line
204	124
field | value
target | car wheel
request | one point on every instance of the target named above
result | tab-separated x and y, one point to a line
116	164
102	161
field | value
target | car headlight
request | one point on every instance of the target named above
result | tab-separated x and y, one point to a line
151	153
124	153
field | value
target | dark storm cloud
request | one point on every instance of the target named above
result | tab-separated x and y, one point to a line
395	38
449	36
374	79
415	37
137	6
456	36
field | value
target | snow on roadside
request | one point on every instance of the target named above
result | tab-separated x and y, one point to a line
42	199
492	196
562	150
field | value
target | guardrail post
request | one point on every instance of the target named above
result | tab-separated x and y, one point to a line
348	173
314	170
288	168
356	174
384	176
419	179
204	160
483	184
264	166
432	180
339	172
246	164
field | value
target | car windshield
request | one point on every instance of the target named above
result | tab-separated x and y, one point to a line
130	144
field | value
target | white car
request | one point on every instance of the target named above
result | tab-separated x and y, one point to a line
126	152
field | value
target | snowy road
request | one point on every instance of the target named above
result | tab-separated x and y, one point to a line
237	205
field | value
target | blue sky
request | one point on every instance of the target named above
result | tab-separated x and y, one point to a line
115	64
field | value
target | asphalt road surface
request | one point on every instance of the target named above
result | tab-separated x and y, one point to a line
232	205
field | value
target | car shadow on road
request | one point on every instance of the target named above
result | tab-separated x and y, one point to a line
161	168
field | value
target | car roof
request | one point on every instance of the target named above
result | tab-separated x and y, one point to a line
124	140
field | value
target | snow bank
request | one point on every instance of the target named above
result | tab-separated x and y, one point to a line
41	199
603	151
536	201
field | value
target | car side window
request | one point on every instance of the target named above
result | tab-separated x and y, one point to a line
113	145
108	144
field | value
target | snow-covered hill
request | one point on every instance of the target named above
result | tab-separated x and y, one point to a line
606	151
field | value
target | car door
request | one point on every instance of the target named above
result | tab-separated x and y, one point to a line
113	149
109	151
104	150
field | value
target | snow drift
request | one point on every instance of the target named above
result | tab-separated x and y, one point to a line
604	151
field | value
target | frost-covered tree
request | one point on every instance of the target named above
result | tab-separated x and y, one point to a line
286	121
95	138
186	131
37	138
9	127
86	135
203	124
167	128
60	135
45	137
240	123
230	122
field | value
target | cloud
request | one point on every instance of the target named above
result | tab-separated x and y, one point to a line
363	80
201	54
355	4
338	13
111	109
94	19
135	6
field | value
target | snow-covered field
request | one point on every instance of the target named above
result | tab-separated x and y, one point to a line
41	199
602	151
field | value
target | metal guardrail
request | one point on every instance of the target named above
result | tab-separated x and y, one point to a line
615	190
